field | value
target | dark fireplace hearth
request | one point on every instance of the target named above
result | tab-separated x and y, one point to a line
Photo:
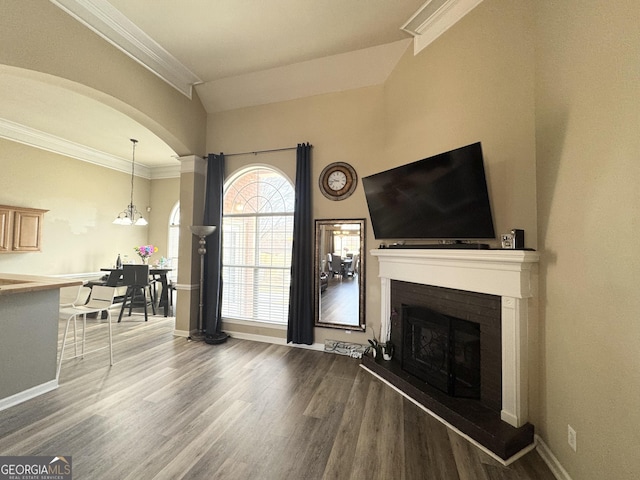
448	359
441	350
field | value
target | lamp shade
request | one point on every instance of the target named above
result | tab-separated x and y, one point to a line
202	230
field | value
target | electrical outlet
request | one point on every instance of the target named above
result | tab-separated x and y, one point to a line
572	438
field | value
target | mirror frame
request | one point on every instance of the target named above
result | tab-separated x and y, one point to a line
362	326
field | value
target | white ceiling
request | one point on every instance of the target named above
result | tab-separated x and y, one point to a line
227	38
237	52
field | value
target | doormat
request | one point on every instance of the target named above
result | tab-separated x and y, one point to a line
354	350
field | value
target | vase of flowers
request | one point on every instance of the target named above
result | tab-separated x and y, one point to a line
145	251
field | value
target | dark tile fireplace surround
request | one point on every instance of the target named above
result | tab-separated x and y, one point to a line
478	418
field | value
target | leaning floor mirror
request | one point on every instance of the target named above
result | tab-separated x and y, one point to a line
340	273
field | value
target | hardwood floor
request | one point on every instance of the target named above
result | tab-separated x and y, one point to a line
170	409
339	302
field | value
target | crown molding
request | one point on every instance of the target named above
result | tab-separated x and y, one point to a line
51	143
192	164
434	18
167	171
104	19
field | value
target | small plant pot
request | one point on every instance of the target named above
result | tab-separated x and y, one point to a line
387	351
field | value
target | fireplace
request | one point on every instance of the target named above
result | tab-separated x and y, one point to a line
480	309
442	351
495	291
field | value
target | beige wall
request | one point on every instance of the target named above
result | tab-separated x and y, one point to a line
342	127
458	91
82	199
588	141
475	83
164	195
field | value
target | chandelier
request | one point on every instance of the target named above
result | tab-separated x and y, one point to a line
131	215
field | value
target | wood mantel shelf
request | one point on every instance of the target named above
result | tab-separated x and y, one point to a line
507	273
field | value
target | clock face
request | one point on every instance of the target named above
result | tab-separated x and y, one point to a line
338	181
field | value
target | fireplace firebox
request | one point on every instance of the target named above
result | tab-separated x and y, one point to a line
442	351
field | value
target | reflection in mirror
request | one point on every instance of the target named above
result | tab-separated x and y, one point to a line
339	279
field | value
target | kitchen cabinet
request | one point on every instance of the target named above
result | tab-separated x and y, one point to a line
20	229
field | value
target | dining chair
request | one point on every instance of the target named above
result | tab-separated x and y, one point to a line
100	300
336	265
136	279
171	290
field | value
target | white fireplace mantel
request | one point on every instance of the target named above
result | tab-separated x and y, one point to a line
510	274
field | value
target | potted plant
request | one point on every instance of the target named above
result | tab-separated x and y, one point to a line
380	350
374	349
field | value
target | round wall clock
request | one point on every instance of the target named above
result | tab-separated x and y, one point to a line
338	181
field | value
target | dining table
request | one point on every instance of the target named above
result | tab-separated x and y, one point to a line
159	274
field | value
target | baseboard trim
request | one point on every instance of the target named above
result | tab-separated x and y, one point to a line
275	340
28	394
550	459
257	338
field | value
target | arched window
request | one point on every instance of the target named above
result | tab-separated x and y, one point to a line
173	241
257	234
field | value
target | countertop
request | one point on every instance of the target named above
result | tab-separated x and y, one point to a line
12	283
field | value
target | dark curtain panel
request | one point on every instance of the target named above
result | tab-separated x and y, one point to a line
212	303
300	329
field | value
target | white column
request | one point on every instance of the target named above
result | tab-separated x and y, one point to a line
192	187
385	309
515	386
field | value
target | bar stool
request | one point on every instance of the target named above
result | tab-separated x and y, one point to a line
101	300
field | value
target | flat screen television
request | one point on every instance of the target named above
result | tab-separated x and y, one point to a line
440	197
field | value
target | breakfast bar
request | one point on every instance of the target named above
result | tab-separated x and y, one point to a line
29	308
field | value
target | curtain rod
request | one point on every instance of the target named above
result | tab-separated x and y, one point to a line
259	151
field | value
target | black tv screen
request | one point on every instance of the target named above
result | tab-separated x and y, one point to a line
440	197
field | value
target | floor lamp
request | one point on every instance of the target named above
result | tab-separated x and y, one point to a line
202	231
